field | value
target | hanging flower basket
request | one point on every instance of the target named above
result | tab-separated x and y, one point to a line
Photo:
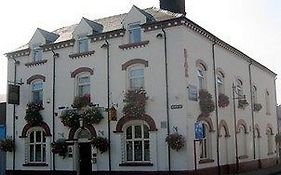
223	101
206	102
70	118
33	116
60	147
101	144
257	107
134	103
82	101
175	141
91	115
242	104
7	145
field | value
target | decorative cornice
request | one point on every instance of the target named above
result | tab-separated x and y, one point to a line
107	35
82	55
134	45
59	45
35	63
20	53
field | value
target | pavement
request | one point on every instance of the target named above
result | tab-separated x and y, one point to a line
275	170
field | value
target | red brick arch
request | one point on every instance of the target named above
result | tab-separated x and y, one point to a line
134	61
149	120
89	127
35	77
207	120
80	70
220	70
257	128
242	123
223	125
43	125
201	62
269	126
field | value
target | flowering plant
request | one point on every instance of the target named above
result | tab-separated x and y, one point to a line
91	115
257	107
82	101
205	102
70	118
175	141
242	103
135	101
33	116
223	100
7	145
60	147
101	144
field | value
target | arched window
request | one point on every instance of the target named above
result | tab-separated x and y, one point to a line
220	82
255	94
37	91
267	101
136	77
83	84
137	144
36	146
269	135
239	86
205	143
201	74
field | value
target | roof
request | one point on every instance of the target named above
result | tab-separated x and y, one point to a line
49	36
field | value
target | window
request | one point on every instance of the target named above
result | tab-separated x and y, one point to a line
37	91
84	85
220	83
201	73
134	33
136	78
239	86
267	101
205	144
255	95
37	54
137	143
269	141
37	146
242	141
83	45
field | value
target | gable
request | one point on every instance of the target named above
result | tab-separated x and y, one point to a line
37	39
134	15
82	29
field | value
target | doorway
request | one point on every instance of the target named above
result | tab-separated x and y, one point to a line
85	159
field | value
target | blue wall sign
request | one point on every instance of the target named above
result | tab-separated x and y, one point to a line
199	130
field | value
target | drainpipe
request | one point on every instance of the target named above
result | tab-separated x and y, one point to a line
55	55
167	96
216	107
252	108
235	129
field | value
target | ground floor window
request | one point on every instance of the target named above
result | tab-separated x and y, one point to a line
36	146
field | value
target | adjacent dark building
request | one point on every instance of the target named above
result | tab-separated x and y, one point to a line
2	135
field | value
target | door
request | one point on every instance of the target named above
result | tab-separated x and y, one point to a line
2	154
85	159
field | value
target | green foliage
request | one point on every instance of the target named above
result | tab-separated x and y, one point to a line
7	145
33	116
91	115
134	103
60	147
101	144
175	141
70	118
206	102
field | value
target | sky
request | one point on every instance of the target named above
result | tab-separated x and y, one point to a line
252	26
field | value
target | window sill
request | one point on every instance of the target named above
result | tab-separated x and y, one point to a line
134	45
35	164
83	54
206	161
135	164
243	157
35	63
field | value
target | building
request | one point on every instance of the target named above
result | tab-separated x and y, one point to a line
2	136
174	60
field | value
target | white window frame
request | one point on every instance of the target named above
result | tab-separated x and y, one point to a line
133	140
79	85
239	87
255	95
220	83
42	143
134	68
201	75
37	54
37	90
81	41
267	102
134	27
205	145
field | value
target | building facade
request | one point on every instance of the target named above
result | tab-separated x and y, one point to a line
189	76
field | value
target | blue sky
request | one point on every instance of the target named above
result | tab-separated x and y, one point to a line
253	26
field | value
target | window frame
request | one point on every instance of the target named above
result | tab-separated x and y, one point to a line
267	102
78	84
220	83
129	77
269	141
41	90
85	41
132	28
37	54
201	76
239	87
255	94
205	144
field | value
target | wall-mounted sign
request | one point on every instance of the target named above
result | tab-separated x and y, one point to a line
192	93
13	94
199	130
176	106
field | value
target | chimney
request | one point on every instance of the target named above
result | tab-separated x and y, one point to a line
176	6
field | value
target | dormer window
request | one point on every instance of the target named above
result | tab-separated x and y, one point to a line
37	54
134	33
83	45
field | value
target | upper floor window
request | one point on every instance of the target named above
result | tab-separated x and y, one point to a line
134	33
84	85
255	94
267	101
37	54
136	77
83	45
201	73
220	82
37	146
37	91
137	146
239	86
